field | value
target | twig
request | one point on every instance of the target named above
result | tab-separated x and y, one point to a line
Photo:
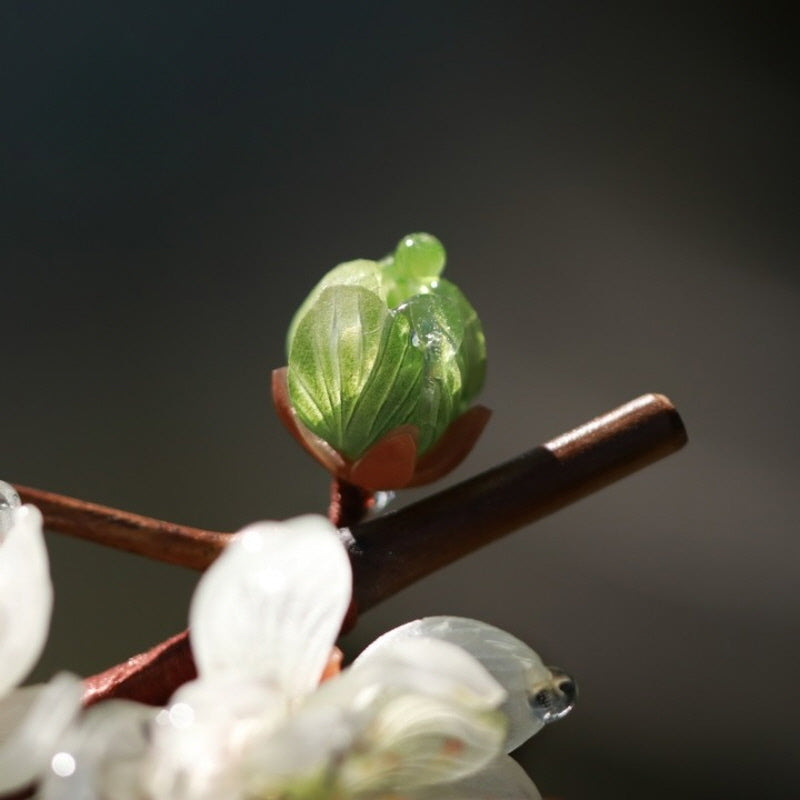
122	530
349	503
149	677
395	550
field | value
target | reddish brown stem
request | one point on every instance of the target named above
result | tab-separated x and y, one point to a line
348	506
150	677
349	503
145	536
395	550
398	549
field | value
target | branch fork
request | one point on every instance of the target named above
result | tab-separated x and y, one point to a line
392	551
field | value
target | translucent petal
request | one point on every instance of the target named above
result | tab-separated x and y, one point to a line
436	332
503	779
366	732
300	757
102	755
32	722
26	596
472	347
200	739
510	661
270	607
353	371
415	741
9	500
428	666
361	272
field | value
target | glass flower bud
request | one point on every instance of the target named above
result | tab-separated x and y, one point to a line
384	360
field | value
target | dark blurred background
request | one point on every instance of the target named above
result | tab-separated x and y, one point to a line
616	185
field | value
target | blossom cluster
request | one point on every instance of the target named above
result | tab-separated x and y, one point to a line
429	711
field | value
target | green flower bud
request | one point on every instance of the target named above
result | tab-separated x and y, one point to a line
382	344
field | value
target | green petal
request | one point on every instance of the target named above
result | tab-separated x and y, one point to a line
436	332
472	350
447	332
361	272
353	371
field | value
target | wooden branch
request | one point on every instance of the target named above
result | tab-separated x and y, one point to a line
395	550
152	538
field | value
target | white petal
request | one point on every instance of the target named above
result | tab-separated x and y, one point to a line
200	739
433	667
270	607
364	734
26	596
304	751
9	500
101	755
510	661
32	722
415	741
503	779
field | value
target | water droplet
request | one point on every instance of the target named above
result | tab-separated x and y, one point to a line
181	715
63	764
379	502
9	500
553	698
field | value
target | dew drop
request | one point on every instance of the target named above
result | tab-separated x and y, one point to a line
379	502
63	764
9	500
553	698
181	715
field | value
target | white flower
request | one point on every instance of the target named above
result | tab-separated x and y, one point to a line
26	594
100	755
32	719
416	716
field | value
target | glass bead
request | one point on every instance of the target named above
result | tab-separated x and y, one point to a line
419	256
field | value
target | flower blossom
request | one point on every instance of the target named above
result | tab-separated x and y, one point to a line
415	717
33	719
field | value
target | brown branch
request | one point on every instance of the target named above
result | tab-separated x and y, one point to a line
149	677
152	538
349	504
395	550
